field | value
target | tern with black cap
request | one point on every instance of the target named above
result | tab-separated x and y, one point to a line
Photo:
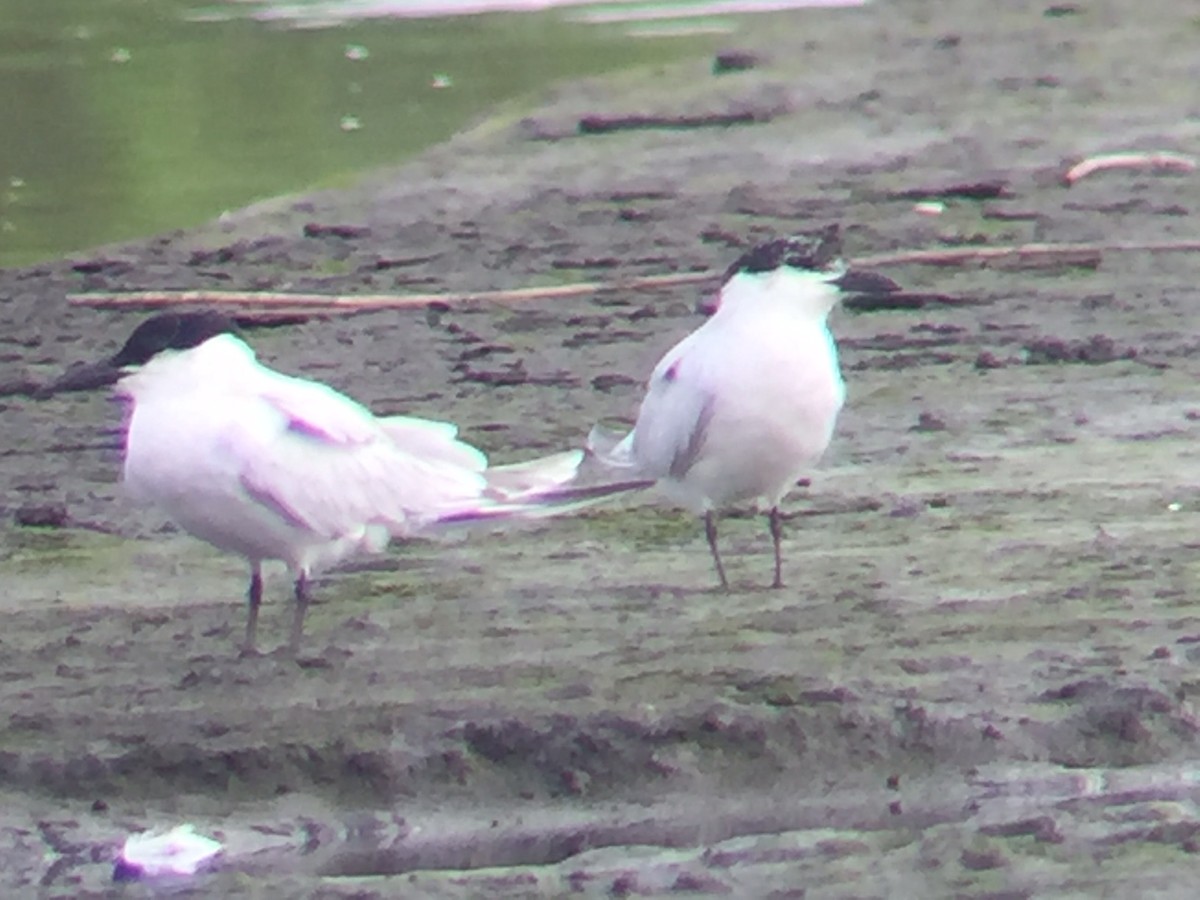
273	467
739	409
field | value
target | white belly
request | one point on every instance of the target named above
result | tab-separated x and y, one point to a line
771	421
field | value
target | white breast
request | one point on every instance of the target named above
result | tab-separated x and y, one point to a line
770	388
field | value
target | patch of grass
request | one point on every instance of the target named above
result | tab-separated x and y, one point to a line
641	528
27	549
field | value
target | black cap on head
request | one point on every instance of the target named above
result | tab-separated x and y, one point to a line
171	331
816	251
166	331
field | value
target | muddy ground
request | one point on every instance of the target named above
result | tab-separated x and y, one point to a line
980	681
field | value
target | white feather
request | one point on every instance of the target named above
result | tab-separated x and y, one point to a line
180	851
430	439
611	447
527	481
433	440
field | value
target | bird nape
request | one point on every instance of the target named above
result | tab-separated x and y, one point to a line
741	407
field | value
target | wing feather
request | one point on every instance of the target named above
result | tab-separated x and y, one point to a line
318	411
322	462
527	480
672	424
430	439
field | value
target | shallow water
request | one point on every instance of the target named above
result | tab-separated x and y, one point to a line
125	118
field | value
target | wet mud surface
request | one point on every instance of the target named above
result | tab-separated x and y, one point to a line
980	681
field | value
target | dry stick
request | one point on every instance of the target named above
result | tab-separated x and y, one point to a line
1172	162
319	302
1025	252
1028	254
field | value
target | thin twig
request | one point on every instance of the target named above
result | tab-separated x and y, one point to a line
1025	256
1162	160
960	255
1022	256
319	302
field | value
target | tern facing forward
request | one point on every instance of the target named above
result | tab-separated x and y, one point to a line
741	407
268	466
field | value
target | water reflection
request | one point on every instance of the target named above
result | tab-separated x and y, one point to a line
123	117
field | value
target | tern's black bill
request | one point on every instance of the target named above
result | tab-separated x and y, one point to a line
859	281
84	377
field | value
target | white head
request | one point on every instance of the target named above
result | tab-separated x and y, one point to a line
804	273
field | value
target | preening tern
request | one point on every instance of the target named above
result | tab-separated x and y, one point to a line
741	407
269	466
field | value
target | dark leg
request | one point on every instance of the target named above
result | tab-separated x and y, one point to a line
301	609
776	522
253	602
710	531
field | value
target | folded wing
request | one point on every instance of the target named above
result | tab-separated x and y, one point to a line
673	422
323	463
433	440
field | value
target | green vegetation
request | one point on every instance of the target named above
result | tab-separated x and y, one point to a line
124	118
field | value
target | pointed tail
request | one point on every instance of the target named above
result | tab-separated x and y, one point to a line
548	503
530	479
611	448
